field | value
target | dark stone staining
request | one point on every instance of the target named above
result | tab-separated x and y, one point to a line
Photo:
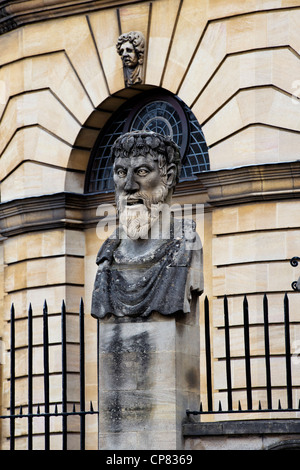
192	378
129	400
114	412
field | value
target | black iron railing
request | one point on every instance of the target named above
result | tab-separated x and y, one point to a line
294	262
47	414
288	393
50	409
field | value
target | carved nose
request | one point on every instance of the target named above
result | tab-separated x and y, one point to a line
131	185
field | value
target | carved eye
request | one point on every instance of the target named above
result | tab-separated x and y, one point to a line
121	173
142	172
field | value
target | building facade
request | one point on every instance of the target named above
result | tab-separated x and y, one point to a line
229	68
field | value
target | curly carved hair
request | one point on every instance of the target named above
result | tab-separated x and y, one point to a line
161	148
138	41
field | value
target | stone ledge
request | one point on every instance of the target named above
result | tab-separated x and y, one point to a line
239	428
251	183
216	188
14	14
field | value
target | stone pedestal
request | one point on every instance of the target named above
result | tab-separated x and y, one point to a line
148	377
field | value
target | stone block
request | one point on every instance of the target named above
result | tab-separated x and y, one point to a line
255	145
205	61
253	247
36	245
253	278
149	376
31	179
37	272
191	23
246	33
39	107
163	17
33	143
134	18
63	34
264	105
106	32
48	70
53	294
255	306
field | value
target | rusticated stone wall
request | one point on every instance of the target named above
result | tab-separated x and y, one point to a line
236	65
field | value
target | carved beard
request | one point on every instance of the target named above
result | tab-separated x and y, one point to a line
137	220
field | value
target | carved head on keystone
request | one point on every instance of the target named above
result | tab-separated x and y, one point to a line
131	48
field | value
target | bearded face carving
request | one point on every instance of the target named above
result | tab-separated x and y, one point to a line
147	265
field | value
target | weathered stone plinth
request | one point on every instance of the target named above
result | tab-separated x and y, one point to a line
148	377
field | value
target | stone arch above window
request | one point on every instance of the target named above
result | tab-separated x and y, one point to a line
157	111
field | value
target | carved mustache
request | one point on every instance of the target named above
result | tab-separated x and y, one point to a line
137	198
142	198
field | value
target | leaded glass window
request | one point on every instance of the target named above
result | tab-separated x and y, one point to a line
161	113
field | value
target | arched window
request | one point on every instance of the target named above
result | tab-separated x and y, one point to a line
159	112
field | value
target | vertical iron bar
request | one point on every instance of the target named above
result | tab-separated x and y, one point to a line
227	351
98	379
30	389
247	353
82	375
267	352
64	374
12	377
288	352
46	375
208	355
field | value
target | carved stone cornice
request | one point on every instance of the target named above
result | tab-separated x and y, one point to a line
14	14
272	181
41	213
276	181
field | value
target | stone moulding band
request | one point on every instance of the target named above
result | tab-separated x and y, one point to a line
15	14
215	188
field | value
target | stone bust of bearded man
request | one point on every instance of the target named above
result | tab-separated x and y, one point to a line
153	261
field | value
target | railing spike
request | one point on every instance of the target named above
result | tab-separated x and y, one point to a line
38	409
220	405
240	406
91	407
279	405
201	407
259	405
21	410
56	409
74	408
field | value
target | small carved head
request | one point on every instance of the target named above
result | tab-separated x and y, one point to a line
130	47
